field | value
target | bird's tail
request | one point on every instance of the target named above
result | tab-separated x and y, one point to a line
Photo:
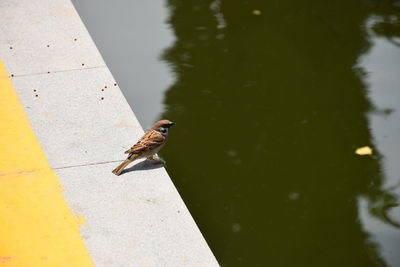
121	167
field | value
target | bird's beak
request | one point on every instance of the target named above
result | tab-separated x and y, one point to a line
172	123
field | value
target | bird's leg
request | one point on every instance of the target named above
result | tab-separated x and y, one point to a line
156	159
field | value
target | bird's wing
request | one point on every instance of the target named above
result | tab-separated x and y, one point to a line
149	141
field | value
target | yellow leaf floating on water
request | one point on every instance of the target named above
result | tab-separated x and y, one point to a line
256	12
365	150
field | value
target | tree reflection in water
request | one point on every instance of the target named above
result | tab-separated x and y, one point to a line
270	109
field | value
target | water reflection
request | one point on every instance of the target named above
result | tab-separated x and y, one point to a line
270	110
382	65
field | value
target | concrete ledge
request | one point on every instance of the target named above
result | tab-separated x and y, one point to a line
137	219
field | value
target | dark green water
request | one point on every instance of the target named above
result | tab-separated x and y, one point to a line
270	108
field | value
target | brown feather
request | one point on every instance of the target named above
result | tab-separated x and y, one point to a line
121	167
150	141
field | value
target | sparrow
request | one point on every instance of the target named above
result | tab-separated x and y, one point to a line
148	145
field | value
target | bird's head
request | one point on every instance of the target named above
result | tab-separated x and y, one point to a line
162	124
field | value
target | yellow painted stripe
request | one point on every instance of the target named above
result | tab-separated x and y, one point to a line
36	226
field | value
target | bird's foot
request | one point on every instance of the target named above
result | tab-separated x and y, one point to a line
156	160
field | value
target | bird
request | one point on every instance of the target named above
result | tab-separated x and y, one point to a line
148	145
